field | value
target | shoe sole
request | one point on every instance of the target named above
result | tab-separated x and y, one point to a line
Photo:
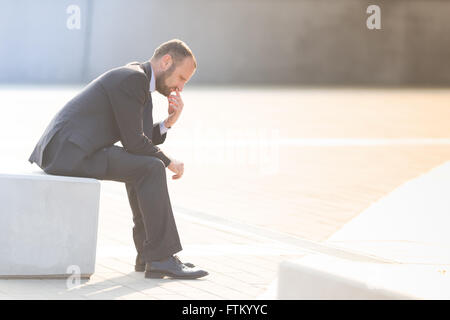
161	275
141	268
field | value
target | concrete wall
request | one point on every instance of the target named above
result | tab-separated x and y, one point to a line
235	41
36	46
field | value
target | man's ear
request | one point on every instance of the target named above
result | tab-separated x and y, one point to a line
166	61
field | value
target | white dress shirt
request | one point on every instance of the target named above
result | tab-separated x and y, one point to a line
162	128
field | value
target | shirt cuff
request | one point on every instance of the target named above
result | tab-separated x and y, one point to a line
162	128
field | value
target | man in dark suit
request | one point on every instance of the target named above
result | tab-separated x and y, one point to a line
117	106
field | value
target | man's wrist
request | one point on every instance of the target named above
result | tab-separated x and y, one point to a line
162	128
166	124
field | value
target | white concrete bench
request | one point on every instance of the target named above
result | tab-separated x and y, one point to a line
48	225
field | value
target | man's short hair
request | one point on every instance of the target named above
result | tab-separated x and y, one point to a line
177	49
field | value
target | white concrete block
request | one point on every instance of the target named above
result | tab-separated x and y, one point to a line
47	223
320	277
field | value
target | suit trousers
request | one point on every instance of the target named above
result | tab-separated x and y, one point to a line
155	233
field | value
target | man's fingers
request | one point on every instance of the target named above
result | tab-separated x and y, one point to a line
178	175
175	103
177	98
175	107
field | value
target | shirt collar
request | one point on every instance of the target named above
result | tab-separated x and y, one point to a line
152	81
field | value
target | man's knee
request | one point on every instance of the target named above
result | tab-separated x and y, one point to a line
156	166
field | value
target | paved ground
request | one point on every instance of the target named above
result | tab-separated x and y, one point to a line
270	174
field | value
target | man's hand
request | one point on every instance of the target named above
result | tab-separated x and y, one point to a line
176	167
175	107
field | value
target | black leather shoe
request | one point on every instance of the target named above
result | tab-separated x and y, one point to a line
140	264
174	268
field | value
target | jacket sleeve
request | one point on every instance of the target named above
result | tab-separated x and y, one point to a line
152	130
128	101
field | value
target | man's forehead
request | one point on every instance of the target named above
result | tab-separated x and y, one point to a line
186	68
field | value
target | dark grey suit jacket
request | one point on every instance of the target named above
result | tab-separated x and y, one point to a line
116	106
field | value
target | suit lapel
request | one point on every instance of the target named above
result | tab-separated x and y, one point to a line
146	66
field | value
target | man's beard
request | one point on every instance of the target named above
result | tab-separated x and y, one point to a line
161	85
